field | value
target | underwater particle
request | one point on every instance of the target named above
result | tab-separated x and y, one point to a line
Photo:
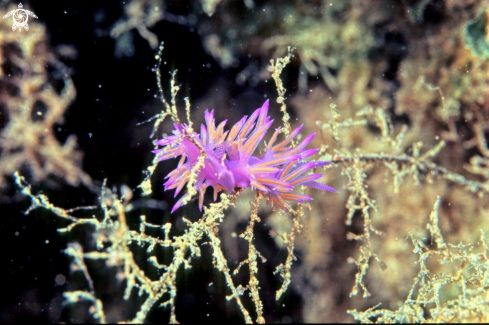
60	279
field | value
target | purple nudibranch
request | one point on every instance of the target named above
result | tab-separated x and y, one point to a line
230	163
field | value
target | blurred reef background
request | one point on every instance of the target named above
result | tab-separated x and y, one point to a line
397	91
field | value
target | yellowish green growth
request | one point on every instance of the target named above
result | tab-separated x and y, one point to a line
253	255
276	68
139	15
469	279
170	110
33	108
284	269
114	237
356	166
